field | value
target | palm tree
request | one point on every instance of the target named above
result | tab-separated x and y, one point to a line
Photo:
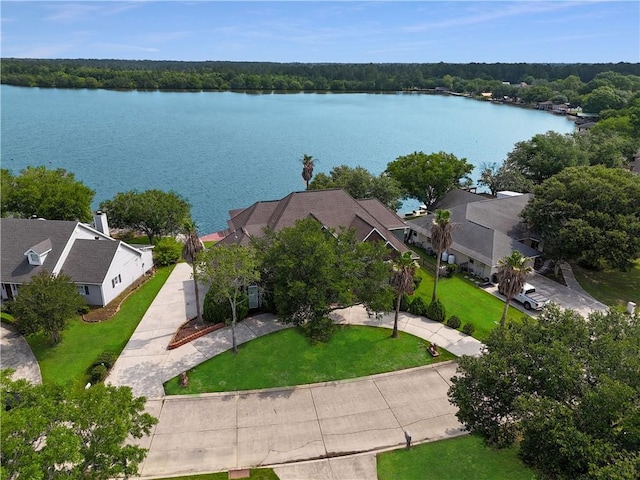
441	240
192	247
307	168
402	281
512	274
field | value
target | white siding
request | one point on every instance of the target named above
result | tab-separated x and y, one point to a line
128	266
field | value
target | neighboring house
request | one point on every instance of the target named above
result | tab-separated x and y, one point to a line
486	230
548	105
332	208
99	265
584	127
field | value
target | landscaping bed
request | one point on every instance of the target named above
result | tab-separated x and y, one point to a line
190	330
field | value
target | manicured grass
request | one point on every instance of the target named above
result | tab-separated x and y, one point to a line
286	358
611	287
465	299
256	474
67	363
462	458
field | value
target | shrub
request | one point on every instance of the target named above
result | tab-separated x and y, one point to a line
167	251
84	309
469	328
435	311
105	358
220	312
418	306
319	330
416	282
454	321
98	374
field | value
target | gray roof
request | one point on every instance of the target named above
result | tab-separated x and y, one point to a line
17	235
485	229
88	260
333	208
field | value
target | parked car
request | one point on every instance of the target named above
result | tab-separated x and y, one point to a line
530	298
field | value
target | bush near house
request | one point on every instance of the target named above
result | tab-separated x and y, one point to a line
167	251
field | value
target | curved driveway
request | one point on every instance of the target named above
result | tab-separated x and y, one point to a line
226	431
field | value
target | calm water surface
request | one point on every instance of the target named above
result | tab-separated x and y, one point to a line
224	150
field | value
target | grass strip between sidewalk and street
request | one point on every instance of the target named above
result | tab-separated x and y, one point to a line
256	474
68	362
461	458
286	358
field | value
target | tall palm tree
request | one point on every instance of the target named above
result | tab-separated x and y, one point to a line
402	281
441	240
512	274
307	168
190	250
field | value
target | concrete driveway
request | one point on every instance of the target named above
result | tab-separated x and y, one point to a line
216	432
573	297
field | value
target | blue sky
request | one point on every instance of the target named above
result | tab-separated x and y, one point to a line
325	31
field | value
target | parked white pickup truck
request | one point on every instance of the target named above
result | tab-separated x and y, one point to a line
530	298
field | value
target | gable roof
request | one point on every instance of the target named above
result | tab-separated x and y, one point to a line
486	229
88	260
333	208
17	235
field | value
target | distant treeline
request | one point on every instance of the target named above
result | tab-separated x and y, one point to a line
335	77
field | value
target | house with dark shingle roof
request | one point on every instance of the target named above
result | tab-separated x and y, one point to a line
101	267
486	230
332	209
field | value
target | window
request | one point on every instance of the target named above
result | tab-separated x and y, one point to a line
115	281
34	258
83	290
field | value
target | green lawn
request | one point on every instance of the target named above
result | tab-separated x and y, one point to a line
465	299
611	287
67	362
286	358
462	458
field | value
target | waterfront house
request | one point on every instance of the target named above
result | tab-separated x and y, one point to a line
486	230
332	209
99	265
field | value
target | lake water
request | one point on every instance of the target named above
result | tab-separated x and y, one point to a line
224	150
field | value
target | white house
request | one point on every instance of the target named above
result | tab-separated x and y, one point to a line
101	267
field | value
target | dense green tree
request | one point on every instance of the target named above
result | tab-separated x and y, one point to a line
608	145
603	98
50	194
404	268
7	182
428	178
441	240
228	270
52	433
190	252
544	155
504	177
46	303
569	389
309	268
589	214
154	212
512	275
360	183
